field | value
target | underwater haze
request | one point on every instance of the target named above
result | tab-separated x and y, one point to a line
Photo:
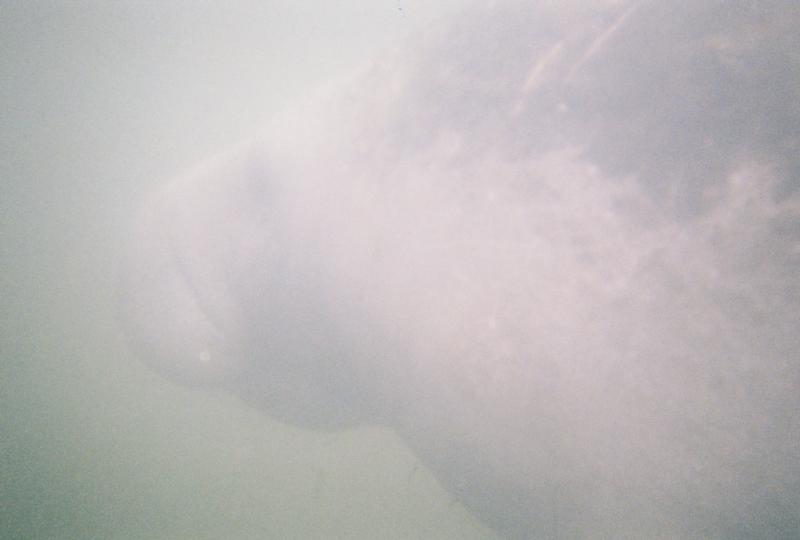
100	103
295	270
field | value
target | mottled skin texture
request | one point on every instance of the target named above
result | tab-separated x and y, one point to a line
556	246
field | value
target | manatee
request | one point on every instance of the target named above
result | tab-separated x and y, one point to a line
554	245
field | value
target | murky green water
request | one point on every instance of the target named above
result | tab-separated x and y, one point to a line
99	103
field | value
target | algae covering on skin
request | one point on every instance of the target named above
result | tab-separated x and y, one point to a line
555	246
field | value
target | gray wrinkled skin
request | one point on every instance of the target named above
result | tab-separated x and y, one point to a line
555	246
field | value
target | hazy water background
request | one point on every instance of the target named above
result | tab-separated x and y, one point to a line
100	102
